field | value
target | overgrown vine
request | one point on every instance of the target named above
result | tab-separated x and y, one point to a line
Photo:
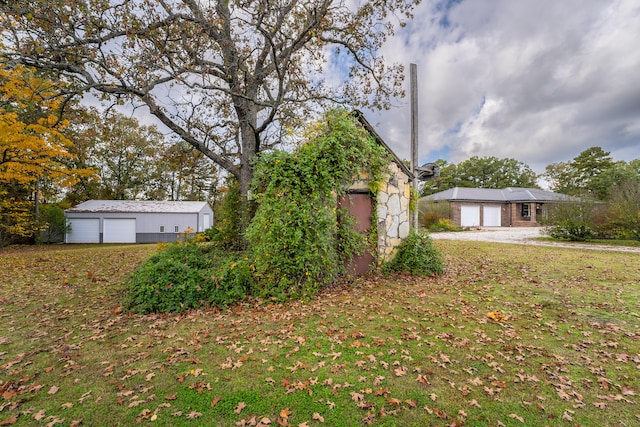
296	237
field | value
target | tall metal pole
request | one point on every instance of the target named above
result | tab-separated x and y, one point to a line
413	71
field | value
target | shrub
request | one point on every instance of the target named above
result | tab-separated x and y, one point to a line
175	280
575	231
233	282
53	224
429	219
573	221
417	255
444	224
431	212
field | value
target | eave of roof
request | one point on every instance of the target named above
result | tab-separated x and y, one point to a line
506	195
360	116
137	206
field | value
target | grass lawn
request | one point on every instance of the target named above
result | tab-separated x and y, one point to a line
511	335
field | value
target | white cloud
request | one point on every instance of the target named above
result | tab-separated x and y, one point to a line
539	81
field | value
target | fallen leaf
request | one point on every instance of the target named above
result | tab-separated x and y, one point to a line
517	417
423	379
627	391
393	401
567	417
54	421
356	396
7	395
9	421
239	408
215	401
53	390
497	316
67	405
316	416
193	415
285	413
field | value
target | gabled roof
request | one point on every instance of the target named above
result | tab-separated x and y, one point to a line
511	194
360	116
138	206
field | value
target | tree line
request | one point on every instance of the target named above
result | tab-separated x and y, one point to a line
591	174
51	158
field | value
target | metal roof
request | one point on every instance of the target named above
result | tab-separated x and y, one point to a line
511	194
138	206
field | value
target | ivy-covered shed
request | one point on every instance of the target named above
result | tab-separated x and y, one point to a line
387	206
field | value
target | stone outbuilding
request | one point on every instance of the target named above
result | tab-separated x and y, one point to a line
390	209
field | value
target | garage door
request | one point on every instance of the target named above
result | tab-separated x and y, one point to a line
119	230
470	216
492	216
83	230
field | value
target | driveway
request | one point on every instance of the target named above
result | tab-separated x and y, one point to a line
521	235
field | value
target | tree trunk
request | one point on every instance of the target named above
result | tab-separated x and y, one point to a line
249	141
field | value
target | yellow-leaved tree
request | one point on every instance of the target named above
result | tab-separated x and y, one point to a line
33	149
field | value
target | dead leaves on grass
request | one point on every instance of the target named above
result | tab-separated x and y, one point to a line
459	360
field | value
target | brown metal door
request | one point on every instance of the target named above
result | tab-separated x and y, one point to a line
359	206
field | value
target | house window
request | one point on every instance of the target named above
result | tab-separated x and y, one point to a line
176	229
526	210
162	228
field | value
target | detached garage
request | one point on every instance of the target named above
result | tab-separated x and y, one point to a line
487	207
131	221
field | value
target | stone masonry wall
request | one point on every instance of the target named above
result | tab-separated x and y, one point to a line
392	209
393	212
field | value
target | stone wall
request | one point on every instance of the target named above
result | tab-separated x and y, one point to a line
393	212
392	209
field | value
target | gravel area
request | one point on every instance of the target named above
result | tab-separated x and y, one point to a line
521	235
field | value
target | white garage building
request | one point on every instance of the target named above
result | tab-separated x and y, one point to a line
132	221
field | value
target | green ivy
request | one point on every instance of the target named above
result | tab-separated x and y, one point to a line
226	230
297	237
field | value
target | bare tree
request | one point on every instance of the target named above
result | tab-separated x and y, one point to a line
220	74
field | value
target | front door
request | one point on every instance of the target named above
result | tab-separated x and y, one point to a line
360	207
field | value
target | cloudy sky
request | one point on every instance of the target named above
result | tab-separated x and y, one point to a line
534	80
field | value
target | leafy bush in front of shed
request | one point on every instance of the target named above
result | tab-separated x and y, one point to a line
171	281
417	255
